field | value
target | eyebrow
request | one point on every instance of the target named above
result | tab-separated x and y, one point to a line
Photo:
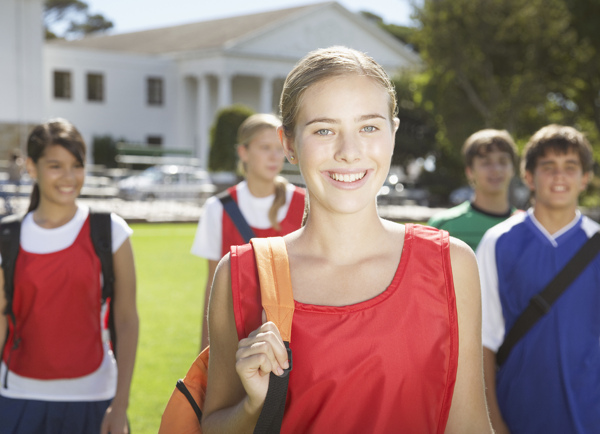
336	121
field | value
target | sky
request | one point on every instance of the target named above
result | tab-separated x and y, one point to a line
134	15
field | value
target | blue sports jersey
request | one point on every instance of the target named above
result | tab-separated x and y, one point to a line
551	380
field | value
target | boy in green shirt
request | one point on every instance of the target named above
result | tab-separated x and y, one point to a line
490	158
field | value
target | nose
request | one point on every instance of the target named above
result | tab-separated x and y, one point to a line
348	148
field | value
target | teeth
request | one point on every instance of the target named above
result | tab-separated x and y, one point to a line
347	177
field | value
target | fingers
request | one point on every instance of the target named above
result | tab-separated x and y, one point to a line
263	349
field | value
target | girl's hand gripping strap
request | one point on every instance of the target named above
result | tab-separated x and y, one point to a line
278	303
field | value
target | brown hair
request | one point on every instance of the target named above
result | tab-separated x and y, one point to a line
322	64
561	140
485	141
55	132
246	132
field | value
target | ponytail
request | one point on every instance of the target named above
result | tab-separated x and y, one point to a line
279	201
34	199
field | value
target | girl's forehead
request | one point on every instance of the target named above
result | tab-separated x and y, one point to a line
344	95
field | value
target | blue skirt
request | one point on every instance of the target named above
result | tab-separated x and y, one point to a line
27	416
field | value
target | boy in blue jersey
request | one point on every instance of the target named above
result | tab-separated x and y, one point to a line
550	382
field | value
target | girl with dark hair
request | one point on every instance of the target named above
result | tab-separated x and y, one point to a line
58	371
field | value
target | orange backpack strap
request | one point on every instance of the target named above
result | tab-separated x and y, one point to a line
275	283
183	412
278	303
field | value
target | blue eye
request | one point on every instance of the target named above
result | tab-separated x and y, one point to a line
323	132
370	129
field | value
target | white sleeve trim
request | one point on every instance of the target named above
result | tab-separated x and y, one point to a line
120	231
208	240
492	320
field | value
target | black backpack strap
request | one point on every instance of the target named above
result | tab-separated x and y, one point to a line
183	389
101	234
233	211
10	239
271	415
541	303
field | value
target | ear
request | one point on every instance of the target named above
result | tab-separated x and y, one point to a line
529	180
31	169
242	152
288	146
469	174
585	180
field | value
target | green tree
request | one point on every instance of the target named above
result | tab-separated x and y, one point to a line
223	137
72	16
507	64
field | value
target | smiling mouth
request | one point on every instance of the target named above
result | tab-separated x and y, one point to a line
347	177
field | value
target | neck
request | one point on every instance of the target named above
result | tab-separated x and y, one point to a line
342	238
259	187
51	216
496	204
553	220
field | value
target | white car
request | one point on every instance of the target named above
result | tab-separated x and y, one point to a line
167	182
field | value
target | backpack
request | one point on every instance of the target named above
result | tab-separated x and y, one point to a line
101	234
183	413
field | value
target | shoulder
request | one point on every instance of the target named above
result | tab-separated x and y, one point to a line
443	217
589	226
296	190
503	229
120	230
213	204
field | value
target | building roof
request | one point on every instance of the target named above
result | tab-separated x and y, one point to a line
202	35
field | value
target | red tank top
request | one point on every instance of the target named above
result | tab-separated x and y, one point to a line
291	222
384	365
57	304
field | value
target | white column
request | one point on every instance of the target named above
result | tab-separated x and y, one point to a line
266	95
224	91
203	121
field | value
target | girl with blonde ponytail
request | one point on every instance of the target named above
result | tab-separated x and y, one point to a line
267	202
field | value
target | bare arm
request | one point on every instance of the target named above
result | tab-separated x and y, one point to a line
212	266
127	328
489	370
238	372
468	413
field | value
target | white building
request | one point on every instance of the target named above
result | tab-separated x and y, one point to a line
164	86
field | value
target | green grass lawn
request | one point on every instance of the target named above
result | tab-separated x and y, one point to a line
170	293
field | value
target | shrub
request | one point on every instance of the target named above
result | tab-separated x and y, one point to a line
223	137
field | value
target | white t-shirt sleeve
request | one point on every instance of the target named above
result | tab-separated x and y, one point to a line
208	239
120	231
492	323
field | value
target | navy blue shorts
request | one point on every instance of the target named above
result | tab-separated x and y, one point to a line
28	416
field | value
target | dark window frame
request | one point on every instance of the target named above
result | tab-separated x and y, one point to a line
154	140
62	84
155	91
94	84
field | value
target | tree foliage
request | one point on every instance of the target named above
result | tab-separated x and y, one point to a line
506	64
223	137
71	19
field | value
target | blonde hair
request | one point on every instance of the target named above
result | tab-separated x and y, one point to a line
247	131
322	64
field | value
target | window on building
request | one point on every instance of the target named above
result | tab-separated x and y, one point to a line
154	140
62	84
95	87
155	91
